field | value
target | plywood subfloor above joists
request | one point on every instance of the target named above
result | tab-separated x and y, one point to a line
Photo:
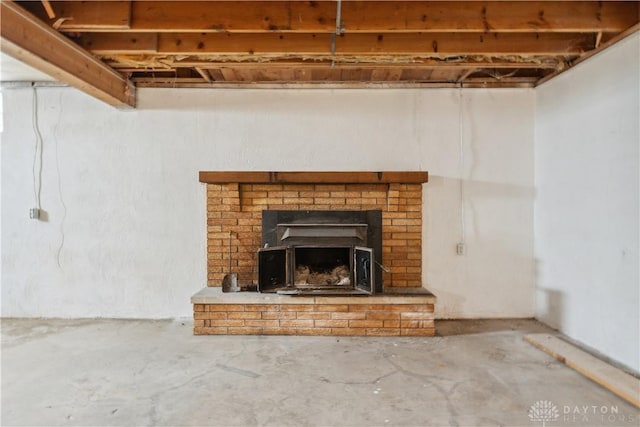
339	44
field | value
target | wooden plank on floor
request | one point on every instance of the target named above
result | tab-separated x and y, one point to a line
613	379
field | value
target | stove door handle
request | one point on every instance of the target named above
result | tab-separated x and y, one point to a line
385	269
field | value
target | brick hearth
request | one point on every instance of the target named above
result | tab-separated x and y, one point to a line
248	313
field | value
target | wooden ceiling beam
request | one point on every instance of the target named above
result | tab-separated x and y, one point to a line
74	16
488	16
328	84
503	80
29	40
466	43
206	43
361	65
114	43
233	16
356	16
433	44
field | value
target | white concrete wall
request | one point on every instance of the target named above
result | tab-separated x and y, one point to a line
586	210
131	242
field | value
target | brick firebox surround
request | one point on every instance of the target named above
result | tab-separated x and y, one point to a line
235	201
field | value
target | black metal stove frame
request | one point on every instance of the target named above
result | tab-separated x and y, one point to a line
321	239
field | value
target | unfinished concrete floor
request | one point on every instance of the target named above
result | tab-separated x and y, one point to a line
133	372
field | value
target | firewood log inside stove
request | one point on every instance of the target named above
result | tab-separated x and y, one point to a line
338	276
302	273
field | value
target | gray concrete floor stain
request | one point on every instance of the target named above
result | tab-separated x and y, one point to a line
141	372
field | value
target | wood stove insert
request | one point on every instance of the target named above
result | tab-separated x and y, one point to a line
321	252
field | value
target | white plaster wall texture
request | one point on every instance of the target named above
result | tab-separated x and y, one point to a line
586	210
134	229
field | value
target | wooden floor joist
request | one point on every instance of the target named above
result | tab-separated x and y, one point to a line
613	379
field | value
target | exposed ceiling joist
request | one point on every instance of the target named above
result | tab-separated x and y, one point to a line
92	15
435	44
399	43
356	16
460	63
28	39
192	83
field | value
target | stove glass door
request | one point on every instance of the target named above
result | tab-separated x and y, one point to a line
363	269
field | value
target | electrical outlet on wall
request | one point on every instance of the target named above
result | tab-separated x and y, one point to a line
34	213
461	249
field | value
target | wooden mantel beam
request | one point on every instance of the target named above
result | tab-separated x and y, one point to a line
314	177
28	39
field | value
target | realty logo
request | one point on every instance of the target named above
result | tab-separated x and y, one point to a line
543	411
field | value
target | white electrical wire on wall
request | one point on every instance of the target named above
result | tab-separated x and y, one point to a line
64	205
461	161
37	152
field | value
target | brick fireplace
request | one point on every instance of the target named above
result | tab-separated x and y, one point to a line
235	205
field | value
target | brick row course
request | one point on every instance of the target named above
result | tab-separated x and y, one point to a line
314	319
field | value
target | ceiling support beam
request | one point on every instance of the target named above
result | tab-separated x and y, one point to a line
200	84
323	64
89	15
488	16
467	43
214	43
28	39
373	65
369	16
432	44
134	43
